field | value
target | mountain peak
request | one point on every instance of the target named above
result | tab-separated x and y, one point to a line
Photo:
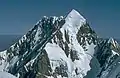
73	22
111	40
75	14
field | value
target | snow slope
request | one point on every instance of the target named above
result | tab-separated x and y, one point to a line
81	66
6	75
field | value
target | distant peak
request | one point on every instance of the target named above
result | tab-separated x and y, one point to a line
111	40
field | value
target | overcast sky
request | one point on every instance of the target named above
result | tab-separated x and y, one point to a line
18	16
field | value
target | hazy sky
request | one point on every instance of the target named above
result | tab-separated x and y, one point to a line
18	16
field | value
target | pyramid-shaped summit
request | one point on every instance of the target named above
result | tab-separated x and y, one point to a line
75	13
72	24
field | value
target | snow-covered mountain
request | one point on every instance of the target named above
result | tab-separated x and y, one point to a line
60	47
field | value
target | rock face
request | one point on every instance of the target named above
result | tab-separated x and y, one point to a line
59	47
